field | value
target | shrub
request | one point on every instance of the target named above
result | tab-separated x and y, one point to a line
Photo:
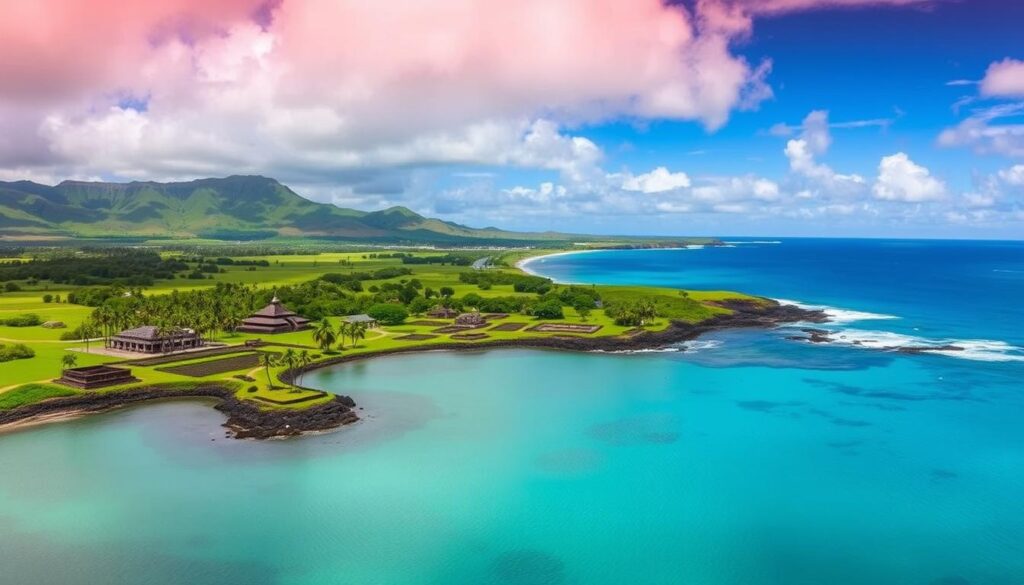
27	320
548	310
388	314
420	305
18	351
47	298
12	287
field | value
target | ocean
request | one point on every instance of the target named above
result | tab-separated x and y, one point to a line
743	457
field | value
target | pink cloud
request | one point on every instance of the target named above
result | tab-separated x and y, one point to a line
54	50
1004	79
323	85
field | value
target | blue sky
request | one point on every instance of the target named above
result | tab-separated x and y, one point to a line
887	66
882	118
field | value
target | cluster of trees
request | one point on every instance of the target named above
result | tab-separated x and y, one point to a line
326	336
97	295
213	250
353	281
291	359
388	313
635	313
224	261
453	259
96	266
209	311
525	283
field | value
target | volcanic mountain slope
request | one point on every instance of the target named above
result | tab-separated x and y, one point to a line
232	208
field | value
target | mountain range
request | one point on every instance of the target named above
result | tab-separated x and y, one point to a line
231	208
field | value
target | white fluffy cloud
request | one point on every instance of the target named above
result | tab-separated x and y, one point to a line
802	153
1013	176
656	181
900	179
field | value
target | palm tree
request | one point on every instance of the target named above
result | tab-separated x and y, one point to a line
357	331
88	329
68	361
344	328
304	359
289	361
103	318
324	335
267	361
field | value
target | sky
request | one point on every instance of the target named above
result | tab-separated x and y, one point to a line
865	118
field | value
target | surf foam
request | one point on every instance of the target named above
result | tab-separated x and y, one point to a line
970	349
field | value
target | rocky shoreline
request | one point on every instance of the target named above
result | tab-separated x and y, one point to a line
245	419
746	314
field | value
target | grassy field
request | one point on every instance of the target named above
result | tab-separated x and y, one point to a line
26	379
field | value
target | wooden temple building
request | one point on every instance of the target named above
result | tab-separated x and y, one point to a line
150	339
274	318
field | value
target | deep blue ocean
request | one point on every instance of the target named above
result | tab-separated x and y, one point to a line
742	458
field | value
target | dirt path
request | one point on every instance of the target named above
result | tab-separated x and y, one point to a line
68	341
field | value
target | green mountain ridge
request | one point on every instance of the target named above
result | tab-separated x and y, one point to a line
231	208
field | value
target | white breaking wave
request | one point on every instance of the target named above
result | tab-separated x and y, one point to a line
734	243
986	350
970	349
687	346
837	315
666	349
701	344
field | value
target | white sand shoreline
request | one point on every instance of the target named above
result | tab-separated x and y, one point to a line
525	262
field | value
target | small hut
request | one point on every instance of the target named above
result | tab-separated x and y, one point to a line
441	312
272	319
362	319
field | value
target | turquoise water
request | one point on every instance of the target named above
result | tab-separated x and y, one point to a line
746	459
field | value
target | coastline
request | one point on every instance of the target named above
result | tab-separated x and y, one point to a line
745	315
524	264
246	420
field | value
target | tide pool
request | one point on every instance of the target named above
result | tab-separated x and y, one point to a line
740	458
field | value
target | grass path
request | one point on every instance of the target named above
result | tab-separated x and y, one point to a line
13	386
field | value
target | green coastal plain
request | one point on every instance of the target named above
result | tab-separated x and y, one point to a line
398	286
